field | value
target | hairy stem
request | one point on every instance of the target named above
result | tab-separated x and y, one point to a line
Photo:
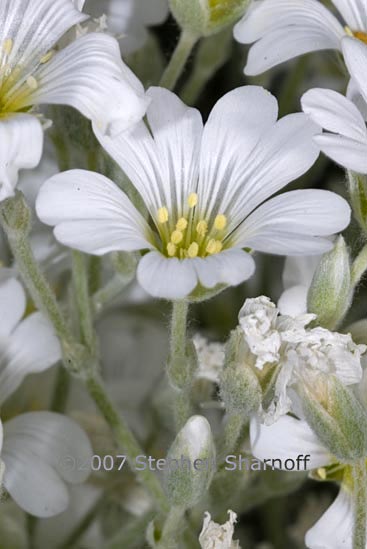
81	286
360	505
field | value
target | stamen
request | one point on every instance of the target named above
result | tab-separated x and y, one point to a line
192	200
32	83
162	215
8	46
47	57
349	31
220	222
202	228
181	224
171	249
176	237
213	246
193	250
321	471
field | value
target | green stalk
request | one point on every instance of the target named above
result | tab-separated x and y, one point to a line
360	505
178	60
359	266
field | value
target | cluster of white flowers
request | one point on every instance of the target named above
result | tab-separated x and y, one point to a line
145	188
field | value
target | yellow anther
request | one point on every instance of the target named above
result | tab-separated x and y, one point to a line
362	36
220	222
171	249
321	473
193	250
32	83
213	246
176	237
47	57
348	31
8	46
202	228
181	224
192	200
163	215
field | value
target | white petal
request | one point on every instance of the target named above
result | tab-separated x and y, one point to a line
230	267
34	26
91	213
21	142
355	56
236	124
299	270
334	530
335	113
293	301
32	347
347	152
167	278
41	451
286	151
291	223
354	13
90	76
354	94
285	439
177	131
12	305
163	168
286	29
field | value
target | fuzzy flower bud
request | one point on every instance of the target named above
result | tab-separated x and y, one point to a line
330	294
358	197
16	215
206	17
189	476
337	417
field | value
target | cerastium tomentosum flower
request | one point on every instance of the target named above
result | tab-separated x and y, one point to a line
206	190
284	29
88	75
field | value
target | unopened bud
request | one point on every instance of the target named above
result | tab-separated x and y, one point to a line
16	215
191	461
336	416
125	264
330	294
206	17
358	198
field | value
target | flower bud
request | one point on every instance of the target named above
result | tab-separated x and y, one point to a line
206	17
125	264
337	417
16	215
188	477
240	388
358	197
330	294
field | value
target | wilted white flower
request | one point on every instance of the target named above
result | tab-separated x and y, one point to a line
206	190
88	75
27	345
284	29
218	536
42	451
345	138
301	353
210	358
288	439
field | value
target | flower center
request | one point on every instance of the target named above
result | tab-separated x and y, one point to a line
190	236
362	36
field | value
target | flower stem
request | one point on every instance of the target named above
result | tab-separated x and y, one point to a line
359	266
360	505
80	279
126	440
171	528
233	428
178	60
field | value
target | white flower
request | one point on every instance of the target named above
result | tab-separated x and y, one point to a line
206	191
88	75
218	536
42	451
289	438
26	346
284	29
128	19
297	277
210	358
345	138
301	353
